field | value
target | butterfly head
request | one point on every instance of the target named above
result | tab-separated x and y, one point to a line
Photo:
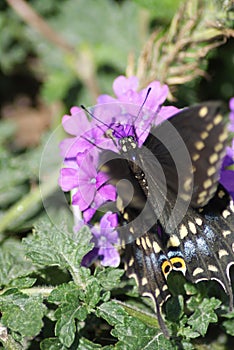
126	138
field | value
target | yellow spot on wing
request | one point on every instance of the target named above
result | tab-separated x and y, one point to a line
173	241
192	227
156	247
199	145
218	147
203	112
195	157
209	126
204	135
207	183
213	158
211	171
183	231
218	119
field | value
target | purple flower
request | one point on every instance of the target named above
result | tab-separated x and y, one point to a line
129	114
104	237
231	115
227	171
152	112
125	90
92	186
88	136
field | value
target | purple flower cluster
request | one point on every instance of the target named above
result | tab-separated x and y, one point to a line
81	173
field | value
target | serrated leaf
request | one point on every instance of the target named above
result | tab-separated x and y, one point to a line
69	310
64	293
51	245
92	293
21	313
13	265
109	278
187	333
65	327
204	315
132	333
111	312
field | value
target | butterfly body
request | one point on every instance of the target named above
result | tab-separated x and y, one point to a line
178	217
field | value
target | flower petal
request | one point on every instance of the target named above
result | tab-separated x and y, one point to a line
122	85
109	256
68	179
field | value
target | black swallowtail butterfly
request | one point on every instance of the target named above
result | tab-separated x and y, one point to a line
178	217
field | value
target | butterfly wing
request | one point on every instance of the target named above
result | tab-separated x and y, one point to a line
189	148
181	158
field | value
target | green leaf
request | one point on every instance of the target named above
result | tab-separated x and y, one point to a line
92	293
109	277
135	335
52	344
187	333
51	245
65	327
21	313
70	309
13	265
186	345
23	282
149	319
229	325
64	293
112	313
132	333
85	344
204	315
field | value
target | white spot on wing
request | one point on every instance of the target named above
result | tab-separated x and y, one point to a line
197	271
212	268
192	227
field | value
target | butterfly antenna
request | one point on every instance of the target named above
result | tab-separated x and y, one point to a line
92	143
143	103
141	107
99	120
